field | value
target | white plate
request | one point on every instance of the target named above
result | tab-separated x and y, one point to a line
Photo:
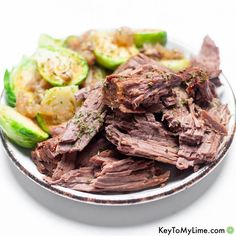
179	181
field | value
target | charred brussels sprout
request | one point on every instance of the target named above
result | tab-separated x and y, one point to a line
109	53
61	66
150	36
18	78
57	106
20	129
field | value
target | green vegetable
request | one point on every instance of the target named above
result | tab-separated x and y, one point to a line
72	41
10	94
110	55
150	36
57	106
43	123
20	129
61	66
96	75
18	78
176	65
46	40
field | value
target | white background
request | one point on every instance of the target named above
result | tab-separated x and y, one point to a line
25	208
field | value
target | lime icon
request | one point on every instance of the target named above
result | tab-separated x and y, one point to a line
230	229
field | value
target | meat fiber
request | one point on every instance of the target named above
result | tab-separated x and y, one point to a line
84	125
143	136
109	171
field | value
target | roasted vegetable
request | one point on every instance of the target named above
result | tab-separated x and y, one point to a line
83	44
46	40
109	54
20	129
150	36
9	90
57	106
96	75
61	66
17	79
176	65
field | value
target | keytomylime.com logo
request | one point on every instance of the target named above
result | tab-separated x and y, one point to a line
230	229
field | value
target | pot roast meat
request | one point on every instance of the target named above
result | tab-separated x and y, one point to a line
199	87
75	136
143	136
134	62
208	58
141	90
205	152
49	164
143	115
110	171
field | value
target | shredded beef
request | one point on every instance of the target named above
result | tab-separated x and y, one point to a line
198	85
141	90
109	171
143	117
142	135
208	58
75	137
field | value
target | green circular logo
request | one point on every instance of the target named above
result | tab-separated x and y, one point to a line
230	229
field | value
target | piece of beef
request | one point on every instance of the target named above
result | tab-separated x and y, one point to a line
133	63
79	131
140	91
84	125
98	144
143	136
111	172
198	85
46	162
216	117
208	58
174	116
215	120
205	152
55	167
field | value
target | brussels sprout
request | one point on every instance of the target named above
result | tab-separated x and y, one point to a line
57	106
150	36
10	94
61	66
19	128
176	65
96	75
111	55
46	40
18	78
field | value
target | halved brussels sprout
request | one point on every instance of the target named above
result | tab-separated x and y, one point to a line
61	66
46	40
57	106
96	75
19	128
176	65
83	44
109	54
150	36
17	79
9	90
